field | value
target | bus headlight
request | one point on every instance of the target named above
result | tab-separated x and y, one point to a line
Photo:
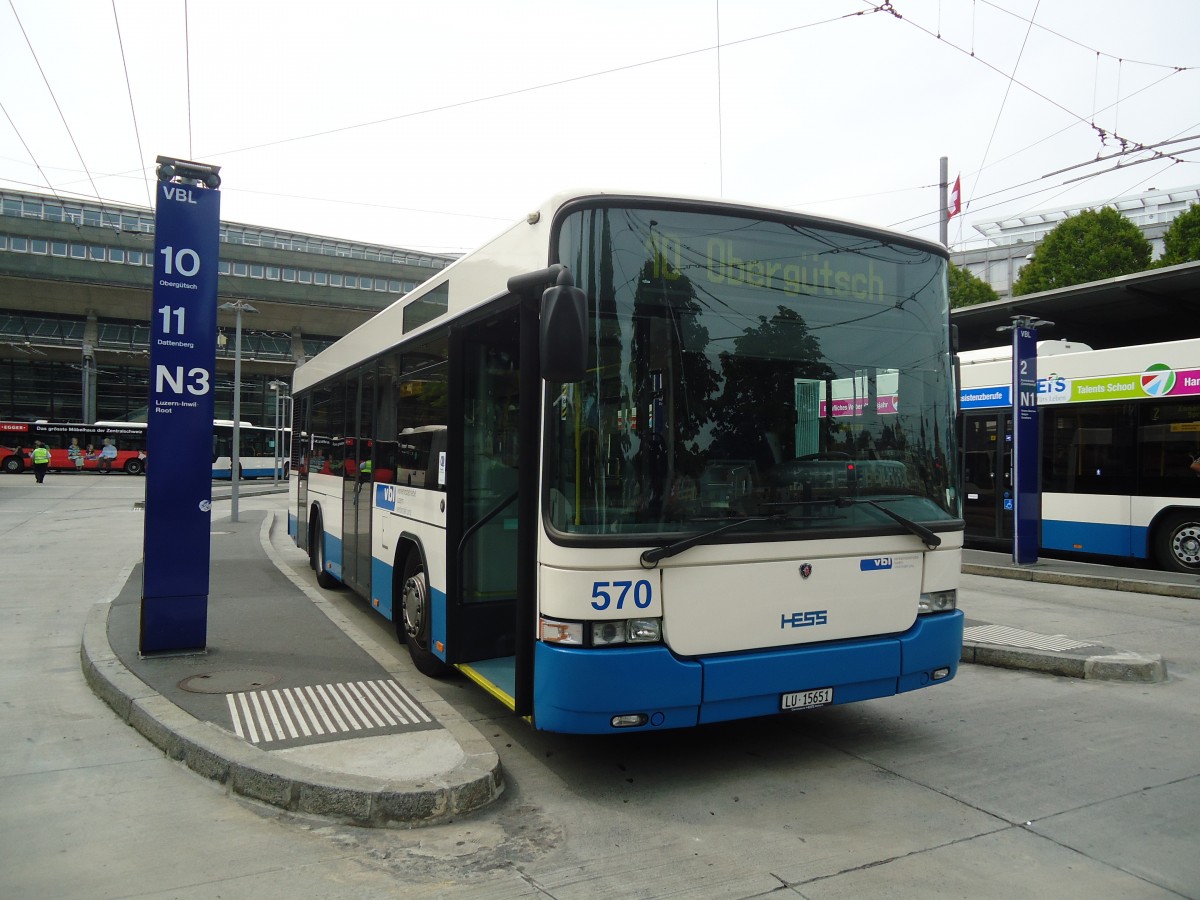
608	633
626	631
937	601
556	631
644	631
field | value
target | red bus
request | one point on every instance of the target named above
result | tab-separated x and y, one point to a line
75	446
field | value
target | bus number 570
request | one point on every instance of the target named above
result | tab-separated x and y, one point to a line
642	593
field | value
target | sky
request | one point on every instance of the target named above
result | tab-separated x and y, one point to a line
434	125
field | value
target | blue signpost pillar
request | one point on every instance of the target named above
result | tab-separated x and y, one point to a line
1027	509
180	413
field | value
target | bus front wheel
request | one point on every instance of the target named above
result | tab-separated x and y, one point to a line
13	465
1177	542
414	621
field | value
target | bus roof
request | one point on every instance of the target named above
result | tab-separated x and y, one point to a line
1044	348
483	274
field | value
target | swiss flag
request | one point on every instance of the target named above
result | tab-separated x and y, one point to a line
954	204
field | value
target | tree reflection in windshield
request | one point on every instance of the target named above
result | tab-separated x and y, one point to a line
718	392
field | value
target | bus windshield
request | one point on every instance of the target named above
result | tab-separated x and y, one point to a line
749	368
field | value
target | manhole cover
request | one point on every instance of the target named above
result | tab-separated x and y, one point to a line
229	681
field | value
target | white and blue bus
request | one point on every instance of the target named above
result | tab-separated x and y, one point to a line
645	463
259	454
1120	439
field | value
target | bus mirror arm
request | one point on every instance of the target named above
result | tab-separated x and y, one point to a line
563	321
563	340
526	286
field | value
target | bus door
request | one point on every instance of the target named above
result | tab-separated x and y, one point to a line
482	527
987	475
357	487
302	450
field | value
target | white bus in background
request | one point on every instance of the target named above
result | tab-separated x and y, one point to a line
258	457
1120	438
646	462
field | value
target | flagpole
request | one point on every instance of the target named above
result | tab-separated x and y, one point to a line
943	183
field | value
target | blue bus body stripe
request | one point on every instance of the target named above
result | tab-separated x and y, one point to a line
381	588
580	690
1095	537
333	555
437	622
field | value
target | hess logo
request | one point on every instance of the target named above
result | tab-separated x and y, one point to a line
805	619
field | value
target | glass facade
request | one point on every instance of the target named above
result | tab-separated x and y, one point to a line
41	346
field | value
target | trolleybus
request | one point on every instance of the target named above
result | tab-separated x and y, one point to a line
647	463
1120	439
75	446
259	455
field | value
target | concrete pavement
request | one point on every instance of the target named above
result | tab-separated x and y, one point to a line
293	705
985	643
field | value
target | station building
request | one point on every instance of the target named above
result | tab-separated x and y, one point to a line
76	296
1010	242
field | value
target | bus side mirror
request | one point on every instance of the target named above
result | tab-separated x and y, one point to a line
563	337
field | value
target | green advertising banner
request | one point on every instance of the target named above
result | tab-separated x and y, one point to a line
1110	387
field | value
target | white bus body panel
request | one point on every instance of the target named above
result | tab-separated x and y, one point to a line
757	605
326	492
1084	364
1098	509
734	597
399	510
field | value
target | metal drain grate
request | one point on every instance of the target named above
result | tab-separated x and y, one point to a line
321	712
1015	637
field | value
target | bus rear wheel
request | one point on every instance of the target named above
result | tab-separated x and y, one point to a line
1177	542
413	624
13	465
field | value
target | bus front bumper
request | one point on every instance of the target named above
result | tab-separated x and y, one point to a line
582	691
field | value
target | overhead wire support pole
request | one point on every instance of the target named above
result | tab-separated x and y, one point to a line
943	201
235	474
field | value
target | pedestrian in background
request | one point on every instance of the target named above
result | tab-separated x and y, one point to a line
75	454
108	452
41	461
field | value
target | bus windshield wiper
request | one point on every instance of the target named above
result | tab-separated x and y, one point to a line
650	558
932	541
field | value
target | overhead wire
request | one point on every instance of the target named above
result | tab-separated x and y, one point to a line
1071	40
36	164
61	115
885	6
1102	133
871	8
132	111
1003	103
1127	146
187	57
720	112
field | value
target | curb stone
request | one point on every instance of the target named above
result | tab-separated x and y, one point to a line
248	771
